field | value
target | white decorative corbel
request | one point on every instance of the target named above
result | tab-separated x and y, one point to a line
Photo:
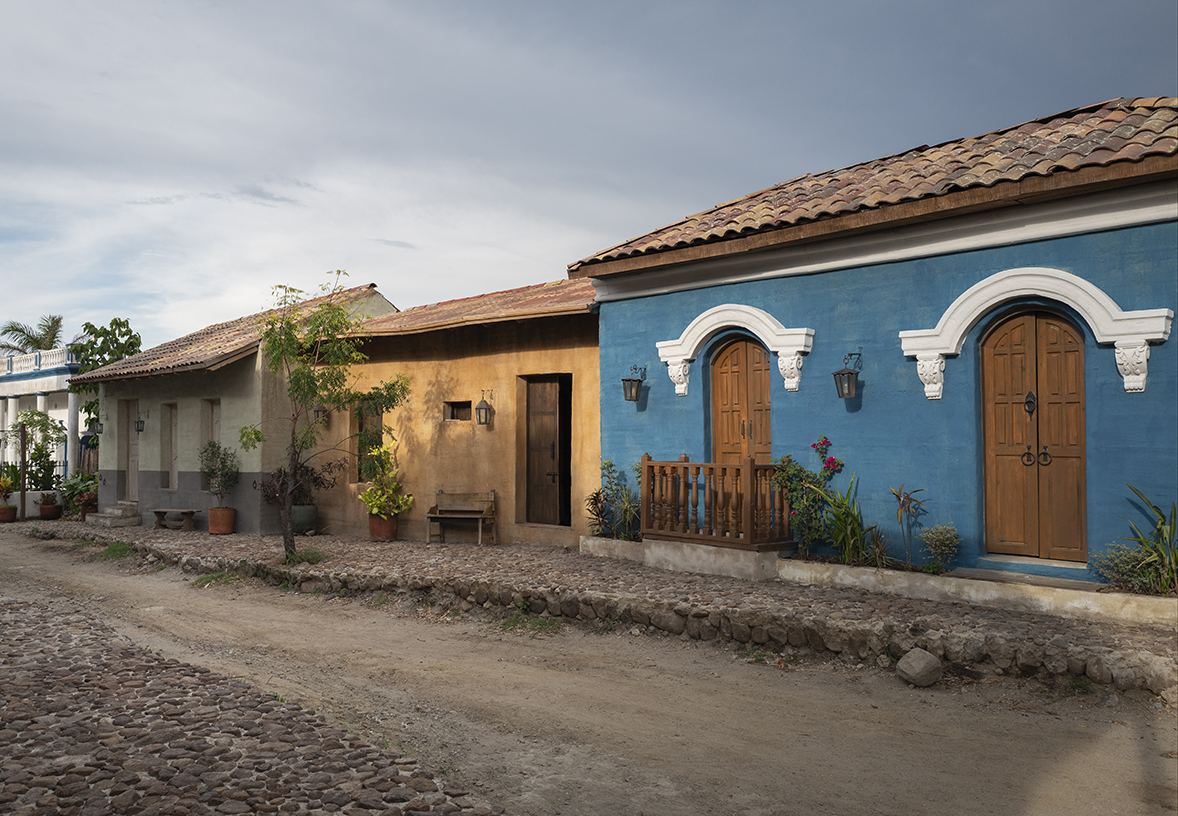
931	369
788	344
790	366
1132	362
678	370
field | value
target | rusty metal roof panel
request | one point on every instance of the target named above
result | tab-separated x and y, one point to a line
541	300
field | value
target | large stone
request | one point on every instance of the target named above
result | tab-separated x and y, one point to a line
919	668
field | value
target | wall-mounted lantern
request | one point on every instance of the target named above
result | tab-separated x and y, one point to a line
632	385
139	425
482	411
321	413
846	379
95	428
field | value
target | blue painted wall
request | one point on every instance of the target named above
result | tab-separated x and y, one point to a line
892	434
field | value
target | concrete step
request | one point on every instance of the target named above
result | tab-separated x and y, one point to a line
104	520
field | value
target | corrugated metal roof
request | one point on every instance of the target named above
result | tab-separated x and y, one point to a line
541	300
1121	130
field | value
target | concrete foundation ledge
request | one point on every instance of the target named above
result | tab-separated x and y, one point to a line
680	556
1134	610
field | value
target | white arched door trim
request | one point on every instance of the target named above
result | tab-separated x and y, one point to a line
1130	332
788	344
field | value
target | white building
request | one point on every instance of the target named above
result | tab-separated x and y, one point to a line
41	380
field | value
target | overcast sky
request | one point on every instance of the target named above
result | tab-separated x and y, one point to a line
169	162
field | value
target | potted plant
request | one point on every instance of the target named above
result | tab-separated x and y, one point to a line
220	471
80	492
309	480
7	487
383	498
50	509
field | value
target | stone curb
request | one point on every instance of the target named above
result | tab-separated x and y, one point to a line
1125	668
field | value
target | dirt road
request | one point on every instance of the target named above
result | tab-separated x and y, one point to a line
628	722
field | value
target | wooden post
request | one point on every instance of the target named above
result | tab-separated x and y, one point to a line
24	450
644	494
749	486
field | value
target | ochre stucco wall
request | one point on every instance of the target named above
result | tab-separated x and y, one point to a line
457	365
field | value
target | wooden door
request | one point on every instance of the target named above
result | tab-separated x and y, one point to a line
544	452
131	451
1033	426
740	403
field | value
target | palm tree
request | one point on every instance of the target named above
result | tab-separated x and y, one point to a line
22	339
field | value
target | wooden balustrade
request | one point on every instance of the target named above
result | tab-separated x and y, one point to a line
724	505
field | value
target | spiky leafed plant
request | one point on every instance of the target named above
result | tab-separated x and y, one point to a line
23	339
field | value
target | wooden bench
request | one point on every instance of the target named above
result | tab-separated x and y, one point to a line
184	525
463	507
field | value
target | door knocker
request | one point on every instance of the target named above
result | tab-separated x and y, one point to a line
1028	457
1044	456
1029	404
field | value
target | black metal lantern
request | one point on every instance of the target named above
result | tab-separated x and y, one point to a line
320	412
139	425
96	428
846	379
632	385
482	411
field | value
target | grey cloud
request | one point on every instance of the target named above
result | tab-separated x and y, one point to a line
400	244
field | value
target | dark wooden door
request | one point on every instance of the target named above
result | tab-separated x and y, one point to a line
544	452
131	452
740	403
1033	427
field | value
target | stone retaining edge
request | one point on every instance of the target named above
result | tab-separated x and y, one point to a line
854	640
1132	610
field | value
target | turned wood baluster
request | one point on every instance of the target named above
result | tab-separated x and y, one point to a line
693	474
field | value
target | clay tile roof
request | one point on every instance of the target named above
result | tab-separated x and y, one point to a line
1120	130
210	348
541	300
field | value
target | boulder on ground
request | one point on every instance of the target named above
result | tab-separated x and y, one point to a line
919	668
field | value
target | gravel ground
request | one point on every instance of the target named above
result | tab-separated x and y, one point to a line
94	725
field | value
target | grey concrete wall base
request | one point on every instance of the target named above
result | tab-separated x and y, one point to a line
1068	603
679	556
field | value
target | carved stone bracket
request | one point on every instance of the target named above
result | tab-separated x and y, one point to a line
1133	362
931	369
678	371
790	366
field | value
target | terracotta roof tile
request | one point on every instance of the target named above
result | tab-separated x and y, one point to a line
208	348
1121	130
541	300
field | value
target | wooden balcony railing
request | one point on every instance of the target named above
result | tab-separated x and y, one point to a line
723	505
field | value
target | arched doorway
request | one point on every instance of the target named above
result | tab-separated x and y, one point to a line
740	403
1033	428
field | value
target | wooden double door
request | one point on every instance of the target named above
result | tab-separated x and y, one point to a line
741	424
1033	428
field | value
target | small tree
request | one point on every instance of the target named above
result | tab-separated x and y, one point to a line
102	345
219	469
312	347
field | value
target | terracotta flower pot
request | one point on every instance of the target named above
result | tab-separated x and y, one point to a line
221	520
51	511
87	509
382	529
7	514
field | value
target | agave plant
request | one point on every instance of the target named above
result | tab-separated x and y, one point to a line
1161	561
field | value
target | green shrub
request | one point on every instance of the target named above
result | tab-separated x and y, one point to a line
613	508
941	542
1123	567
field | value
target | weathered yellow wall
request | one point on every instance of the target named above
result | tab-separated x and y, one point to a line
457	365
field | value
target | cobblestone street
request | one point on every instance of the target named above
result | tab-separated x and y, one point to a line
93	725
